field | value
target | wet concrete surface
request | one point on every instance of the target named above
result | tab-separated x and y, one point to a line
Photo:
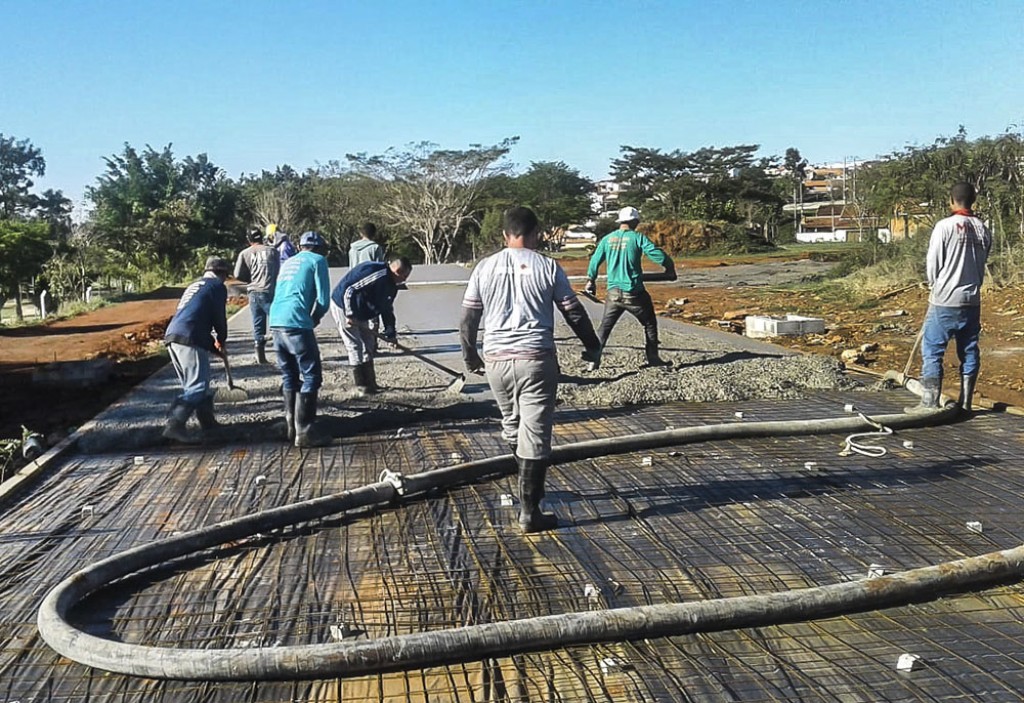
680	524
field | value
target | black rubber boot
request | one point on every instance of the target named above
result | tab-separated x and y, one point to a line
371	377
967	393
532	473
931	389
261	352
651	353
204	413
359	378
177	421
289	414
306	434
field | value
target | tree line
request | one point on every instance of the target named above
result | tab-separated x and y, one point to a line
155	217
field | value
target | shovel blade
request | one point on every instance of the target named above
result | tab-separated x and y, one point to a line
457	385
232	394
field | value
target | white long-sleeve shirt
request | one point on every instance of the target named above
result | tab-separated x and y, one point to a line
957	252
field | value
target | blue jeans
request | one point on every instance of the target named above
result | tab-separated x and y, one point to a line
942	324
192	365
259	308
298	354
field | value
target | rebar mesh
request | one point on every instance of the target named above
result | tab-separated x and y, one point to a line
680	524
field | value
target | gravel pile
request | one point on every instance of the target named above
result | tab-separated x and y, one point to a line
705	368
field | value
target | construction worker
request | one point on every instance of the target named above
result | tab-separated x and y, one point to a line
624	249
199	326
514	293
955	266
281	242
301	299
366	248
365	293
257	266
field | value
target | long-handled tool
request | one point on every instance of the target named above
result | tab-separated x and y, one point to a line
455	386
231	394
904	379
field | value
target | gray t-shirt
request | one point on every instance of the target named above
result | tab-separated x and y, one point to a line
258	266
517	290
957	252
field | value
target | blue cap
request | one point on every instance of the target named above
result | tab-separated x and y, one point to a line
311	239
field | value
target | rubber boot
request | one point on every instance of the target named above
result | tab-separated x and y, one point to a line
931	389
177	421
651	353
261	352
360	379
966	393
289	414
371	377
204	413
532	473
306	435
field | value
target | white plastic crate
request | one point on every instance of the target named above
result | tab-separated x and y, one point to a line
772	326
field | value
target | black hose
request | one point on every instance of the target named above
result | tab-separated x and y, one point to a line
502	638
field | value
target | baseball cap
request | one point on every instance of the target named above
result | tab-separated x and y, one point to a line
311	239
628	214
218	265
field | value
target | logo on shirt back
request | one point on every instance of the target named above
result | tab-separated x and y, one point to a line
965	230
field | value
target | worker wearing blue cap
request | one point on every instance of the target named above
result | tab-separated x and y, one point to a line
301	298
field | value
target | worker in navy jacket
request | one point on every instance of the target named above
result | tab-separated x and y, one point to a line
364	293
200	315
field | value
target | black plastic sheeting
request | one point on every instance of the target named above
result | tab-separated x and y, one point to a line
712	520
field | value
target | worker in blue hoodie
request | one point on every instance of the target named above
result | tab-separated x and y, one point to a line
365	293
190	339
301	299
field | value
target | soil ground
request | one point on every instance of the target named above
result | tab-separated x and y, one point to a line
710	292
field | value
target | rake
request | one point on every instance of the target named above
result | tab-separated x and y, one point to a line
231	394
455	386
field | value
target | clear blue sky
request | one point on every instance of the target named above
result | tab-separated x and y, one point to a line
258	84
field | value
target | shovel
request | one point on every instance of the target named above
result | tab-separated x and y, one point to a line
231	394
455	386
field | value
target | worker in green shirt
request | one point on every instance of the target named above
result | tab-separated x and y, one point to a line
624	249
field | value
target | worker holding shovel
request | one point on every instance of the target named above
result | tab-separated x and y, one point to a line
201	313
514	293
365	293
955	265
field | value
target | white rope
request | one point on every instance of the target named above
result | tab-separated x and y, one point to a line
852	446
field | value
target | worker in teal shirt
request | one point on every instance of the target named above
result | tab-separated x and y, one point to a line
302	297
623	250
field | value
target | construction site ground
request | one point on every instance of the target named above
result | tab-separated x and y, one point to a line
678	524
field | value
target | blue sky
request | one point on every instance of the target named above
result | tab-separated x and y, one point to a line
259	84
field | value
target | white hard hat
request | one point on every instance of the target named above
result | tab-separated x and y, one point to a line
628	214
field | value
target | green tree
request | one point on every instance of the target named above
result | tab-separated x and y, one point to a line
713	184
20	162
557	193
24	247
154	212
428	194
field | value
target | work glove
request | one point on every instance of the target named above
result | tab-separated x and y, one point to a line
592	357
474	364
591	287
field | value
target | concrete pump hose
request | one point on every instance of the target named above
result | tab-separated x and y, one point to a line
501	638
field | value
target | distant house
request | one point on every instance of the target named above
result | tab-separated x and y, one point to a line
837	222
579	238
604	200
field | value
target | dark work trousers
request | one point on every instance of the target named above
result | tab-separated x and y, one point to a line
639	305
